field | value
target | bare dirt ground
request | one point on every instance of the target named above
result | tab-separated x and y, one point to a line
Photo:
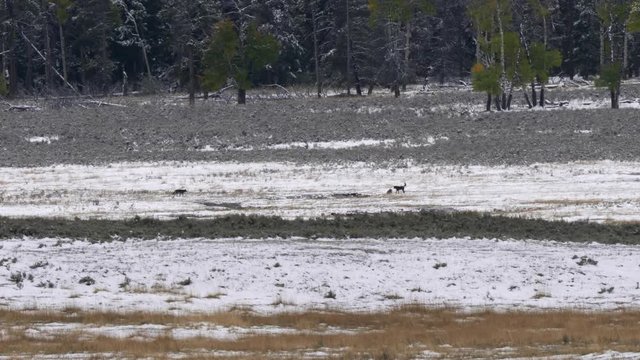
440	127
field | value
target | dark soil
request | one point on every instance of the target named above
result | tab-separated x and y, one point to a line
152	129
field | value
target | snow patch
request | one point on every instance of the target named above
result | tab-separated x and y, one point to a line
43	139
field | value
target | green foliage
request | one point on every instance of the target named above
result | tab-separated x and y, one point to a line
610	76
222	56
633	23
4	89
543	60
539	8
261	49
612	12
62	10
228	57
486	79
484	14
398	10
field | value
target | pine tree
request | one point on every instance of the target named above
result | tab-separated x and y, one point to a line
189	24
237	53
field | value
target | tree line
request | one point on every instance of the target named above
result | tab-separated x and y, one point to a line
76	47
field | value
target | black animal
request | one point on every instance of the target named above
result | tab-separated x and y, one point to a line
400	188
179	192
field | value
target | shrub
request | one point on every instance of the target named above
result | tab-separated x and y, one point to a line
87	280
585	260
39	264
185	282
17	278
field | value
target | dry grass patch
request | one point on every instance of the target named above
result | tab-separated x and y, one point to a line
571	202
398	334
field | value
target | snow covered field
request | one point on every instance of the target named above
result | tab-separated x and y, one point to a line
596	190
268	275
276	275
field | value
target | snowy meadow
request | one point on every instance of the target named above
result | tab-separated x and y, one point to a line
82	297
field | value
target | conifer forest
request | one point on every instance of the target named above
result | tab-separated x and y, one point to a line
74	47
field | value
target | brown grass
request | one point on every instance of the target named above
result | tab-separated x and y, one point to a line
398	334
570	202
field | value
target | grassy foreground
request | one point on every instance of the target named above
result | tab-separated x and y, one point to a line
399	334
423	224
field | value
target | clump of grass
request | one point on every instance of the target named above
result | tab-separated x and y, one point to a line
17	278
39	264
215	295
9	260
392	297
606	290
330	295
48	284
185	282
541	295
125	283
279	301
87	280
585	260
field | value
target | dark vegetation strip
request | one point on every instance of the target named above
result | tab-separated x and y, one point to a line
424	224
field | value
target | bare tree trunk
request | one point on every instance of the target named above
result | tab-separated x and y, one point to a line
478	45
407	51
356	77
9	59
497	102
488	106
47	46
125	85
503	75
63	53
316	56
610	35
242	96
192	77
396	89
348	31
534	96
83	70
601	48
140	42
541	95
28	81
625	54
544	31
526	98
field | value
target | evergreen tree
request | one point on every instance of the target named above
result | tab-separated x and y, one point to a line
237	54
586	39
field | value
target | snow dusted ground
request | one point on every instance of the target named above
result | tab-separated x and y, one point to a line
268	275
593	190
